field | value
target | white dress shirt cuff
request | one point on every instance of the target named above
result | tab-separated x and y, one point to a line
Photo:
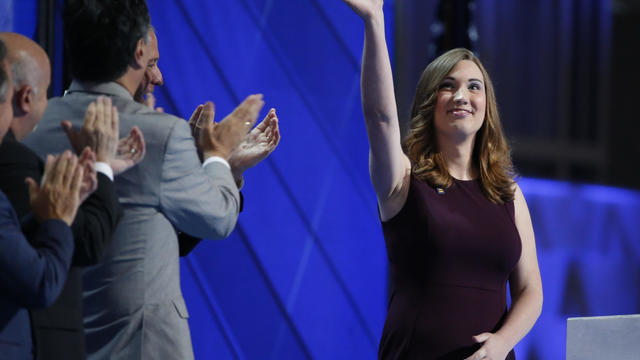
211	159
104	168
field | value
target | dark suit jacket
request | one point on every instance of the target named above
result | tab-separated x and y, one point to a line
58	330
30	276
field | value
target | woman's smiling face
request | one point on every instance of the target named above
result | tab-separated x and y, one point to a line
461	104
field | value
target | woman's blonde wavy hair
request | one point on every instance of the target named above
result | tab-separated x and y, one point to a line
491	153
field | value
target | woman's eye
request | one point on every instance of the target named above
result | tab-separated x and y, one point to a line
445	86
475	87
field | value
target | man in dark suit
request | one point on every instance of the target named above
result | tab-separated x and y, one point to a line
58	330
33	275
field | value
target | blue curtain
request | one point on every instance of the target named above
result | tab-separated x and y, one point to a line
589	256
550	63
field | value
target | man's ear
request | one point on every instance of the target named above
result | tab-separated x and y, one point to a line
23	100
138	57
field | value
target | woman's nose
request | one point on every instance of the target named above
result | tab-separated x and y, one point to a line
460	96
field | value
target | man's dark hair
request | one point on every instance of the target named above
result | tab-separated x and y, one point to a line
3	74
101	36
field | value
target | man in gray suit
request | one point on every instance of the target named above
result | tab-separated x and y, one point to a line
133	303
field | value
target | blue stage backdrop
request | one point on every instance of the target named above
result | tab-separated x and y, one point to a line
304	276
589	254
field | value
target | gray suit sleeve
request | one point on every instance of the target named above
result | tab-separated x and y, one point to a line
203	202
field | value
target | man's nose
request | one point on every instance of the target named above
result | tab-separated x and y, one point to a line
157	77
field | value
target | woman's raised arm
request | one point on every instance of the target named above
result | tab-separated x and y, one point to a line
389	167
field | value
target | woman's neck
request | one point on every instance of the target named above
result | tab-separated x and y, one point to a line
459	157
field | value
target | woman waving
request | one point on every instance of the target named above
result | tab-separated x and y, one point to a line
455	222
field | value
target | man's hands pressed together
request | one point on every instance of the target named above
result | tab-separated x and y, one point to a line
58	197
220	139
100	131
256	146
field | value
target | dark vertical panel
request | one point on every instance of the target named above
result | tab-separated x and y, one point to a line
413	38
624	125
49	34
45	29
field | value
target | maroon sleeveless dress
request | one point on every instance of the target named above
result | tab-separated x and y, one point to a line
451	253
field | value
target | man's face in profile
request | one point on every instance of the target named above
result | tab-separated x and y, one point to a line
152	75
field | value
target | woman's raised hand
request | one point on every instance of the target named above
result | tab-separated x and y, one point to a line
366	9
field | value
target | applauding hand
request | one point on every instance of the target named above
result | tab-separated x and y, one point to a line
256	146
58	197
100	131
131	150
220	139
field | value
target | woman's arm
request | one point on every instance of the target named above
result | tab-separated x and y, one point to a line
389	167
526	292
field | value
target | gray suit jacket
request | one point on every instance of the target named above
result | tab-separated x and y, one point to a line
133	305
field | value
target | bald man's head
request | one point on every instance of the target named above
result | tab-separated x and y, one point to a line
31	73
